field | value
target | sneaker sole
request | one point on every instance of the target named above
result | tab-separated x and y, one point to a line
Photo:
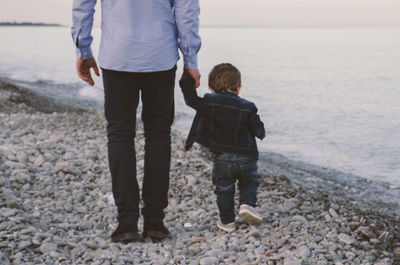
249	217
126	238
225	229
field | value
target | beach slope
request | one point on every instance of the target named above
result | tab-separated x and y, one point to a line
57	206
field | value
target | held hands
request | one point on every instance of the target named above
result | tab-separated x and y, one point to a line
83	69
192	73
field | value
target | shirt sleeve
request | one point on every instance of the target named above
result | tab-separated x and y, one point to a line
190	94
82	23
256	125
187	23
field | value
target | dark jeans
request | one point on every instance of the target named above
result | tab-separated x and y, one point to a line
121	100
227	169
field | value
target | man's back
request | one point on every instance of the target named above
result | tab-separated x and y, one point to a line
140	35
137	32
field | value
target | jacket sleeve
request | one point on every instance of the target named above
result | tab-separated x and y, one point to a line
190	94
82	23
255	124
187	23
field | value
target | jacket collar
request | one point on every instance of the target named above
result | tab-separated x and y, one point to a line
231	94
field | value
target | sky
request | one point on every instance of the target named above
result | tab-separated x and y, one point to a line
236	12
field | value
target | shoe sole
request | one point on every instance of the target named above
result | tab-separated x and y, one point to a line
126	238
224	229
249	217
155	235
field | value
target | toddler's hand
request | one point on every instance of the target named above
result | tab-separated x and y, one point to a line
193	74
186	75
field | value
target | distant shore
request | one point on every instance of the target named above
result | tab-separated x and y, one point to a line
56	202
29	24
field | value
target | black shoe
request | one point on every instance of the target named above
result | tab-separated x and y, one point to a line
156	231
125	234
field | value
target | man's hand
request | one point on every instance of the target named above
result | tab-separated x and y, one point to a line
83	68
195	74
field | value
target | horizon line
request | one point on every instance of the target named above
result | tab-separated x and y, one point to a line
230	26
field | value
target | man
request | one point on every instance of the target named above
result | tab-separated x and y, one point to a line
138	52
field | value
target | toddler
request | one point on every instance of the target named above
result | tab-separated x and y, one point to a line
227	124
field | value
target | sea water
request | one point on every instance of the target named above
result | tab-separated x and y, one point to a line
328	97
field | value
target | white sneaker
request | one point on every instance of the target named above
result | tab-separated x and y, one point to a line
249	214
226	227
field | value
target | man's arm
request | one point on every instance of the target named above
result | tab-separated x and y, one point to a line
82	23
187	23
256	125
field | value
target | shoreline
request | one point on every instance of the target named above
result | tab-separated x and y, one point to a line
54	170
369	194
16	99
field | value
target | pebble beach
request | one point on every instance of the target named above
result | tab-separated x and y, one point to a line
56	204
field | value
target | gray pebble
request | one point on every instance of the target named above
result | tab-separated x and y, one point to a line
289	204
55	254
367	232
8	212
12	203
346	239
303	252
292	261
23	245
92	244
283	222
209	261
255	232
4	259
191	181
333	213
350	255
76	252
396	251
335	206
48	247
300	219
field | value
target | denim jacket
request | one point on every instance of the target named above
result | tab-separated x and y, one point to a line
224	122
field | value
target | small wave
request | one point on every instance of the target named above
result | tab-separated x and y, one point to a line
91	93
74	94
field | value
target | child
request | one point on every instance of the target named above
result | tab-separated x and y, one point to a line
227	125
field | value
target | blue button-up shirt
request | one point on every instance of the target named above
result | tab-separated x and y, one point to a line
139	35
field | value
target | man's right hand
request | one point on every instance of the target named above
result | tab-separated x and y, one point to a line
83	68
195	74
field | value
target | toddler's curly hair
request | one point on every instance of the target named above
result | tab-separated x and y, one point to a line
224	77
